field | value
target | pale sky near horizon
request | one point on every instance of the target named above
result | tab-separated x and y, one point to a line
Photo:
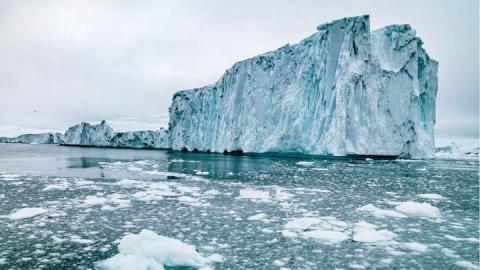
63	62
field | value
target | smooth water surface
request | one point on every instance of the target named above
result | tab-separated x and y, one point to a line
236	206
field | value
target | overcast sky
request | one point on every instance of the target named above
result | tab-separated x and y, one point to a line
62	62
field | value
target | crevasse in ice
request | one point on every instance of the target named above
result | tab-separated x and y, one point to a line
343	90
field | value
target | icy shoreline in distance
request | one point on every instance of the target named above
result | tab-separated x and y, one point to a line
461	148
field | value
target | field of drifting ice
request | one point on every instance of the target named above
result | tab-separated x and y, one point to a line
242	213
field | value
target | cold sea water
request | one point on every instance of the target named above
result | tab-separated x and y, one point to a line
68	207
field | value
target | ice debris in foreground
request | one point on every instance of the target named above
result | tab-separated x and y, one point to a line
27	212
404	209
150	251
418	209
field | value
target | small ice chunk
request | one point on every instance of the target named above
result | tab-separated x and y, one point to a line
415	246
187	199
450	253
278	263
431	196
148	250
418	209
258	217
378	212
201	173
467	264
306	163
326	235
134	169
78	239
357	266
302	223
250	193
27	212
94	200
367	233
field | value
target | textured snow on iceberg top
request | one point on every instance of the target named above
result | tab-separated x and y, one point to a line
343	90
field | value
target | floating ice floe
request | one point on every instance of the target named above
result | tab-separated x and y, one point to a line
378	212
431	196
324	229
418	209
150	251
110	202
415	246
201	173
367	233
250	193
27	213
468	239
306	163
467	265
259	216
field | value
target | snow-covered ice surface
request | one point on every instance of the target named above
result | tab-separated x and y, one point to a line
83	206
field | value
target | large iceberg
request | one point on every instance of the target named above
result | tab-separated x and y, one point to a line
343	90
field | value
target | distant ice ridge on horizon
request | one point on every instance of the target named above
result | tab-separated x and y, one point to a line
458	148
343	90
101	134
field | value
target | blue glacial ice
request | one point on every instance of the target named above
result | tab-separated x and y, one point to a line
343	90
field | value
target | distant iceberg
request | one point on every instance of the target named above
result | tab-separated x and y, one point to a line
86	134
41	138
343	90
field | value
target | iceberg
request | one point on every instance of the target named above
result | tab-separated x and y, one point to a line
102	135
342	91
98	135
88	134
41	138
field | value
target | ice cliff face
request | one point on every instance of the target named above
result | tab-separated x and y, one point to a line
103	135
42	138
343	90
142	139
